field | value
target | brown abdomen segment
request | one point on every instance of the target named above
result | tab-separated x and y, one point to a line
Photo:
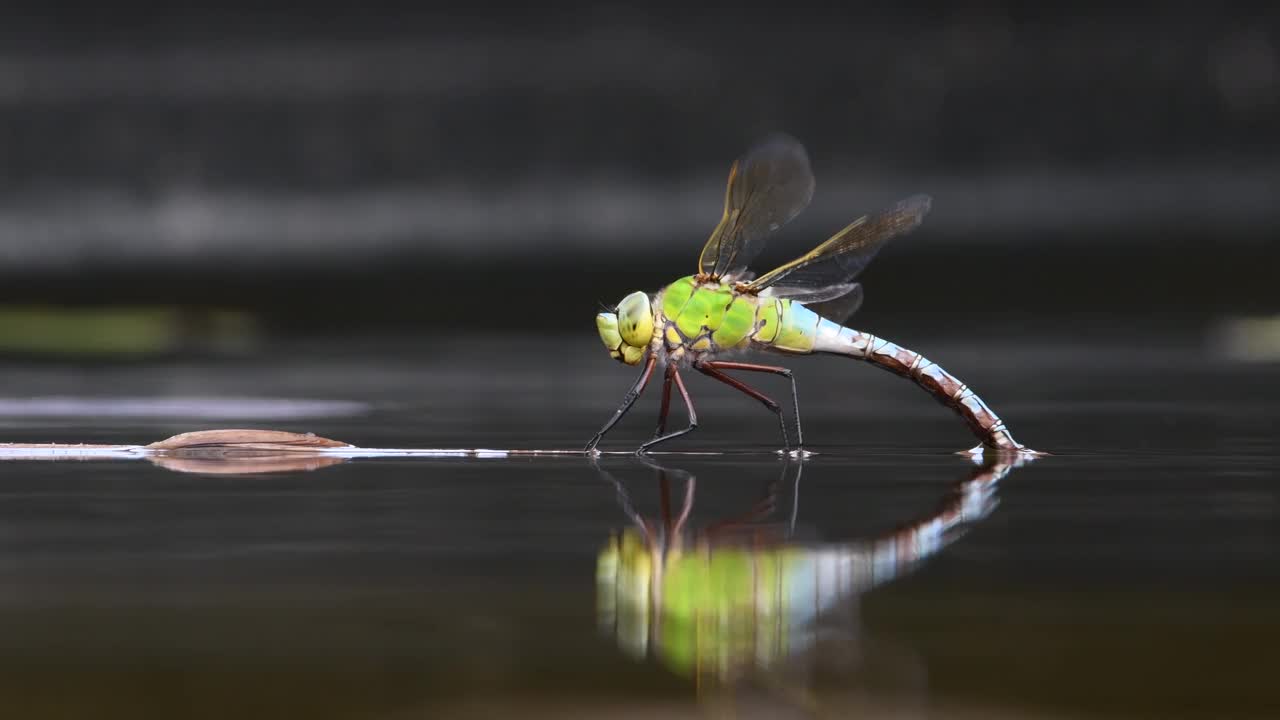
944	386
939	383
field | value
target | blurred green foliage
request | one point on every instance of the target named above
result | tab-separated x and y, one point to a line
142	330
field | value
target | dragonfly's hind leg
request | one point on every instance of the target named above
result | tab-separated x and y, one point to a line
673	374
763	509
713	368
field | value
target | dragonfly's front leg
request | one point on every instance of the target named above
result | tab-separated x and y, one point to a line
627	402
674	374
712	368
624	500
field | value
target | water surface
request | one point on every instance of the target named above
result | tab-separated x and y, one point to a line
1134	573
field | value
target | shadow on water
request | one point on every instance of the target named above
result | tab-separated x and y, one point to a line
752	613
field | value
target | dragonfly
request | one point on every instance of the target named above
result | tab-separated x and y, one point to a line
798	308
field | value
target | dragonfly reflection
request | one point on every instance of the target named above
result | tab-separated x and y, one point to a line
740	598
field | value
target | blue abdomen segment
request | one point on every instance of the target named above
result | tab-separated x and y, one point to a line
801	330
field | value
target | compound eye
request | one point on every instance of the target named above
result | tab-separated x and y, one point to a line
607	326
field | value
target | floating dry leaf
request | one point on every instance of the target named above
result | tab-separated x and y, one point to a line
232	440
238	451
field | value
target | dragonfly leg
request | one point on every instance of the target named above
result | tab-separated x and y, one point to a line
674	374
690	483
671	529
664	501
627	402
624	500
713	368
795	498
767	506
763	509
666	406
690	489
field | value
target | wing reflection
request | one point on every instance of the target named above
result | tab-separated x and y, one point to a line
741	597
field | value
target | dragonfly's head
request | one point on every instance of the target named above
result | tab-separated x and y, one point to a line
626	332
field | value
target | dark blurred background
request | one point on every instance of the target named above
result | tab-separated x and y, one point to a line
291	217
367	168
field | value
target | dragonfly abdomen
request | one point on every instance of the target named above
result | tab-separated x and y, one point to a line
829	337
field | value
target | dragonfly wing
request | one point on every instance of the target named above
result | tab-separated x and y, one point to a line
809	296
847	253
768	186
833	302
838	309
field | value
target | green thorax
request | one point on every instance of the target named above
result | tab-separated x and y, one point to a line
710	317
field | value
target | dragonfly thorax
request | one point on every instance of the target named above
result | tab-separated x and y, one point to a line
708	317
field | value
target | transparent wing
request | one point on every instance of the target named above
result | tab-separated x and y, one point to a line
838	309
833	302
807	295
768	186
840	259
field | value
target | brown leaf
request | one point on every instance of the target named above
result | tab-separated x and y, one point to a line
238	439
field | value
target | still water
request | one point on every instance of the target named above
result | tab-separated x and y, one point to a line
1134	573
